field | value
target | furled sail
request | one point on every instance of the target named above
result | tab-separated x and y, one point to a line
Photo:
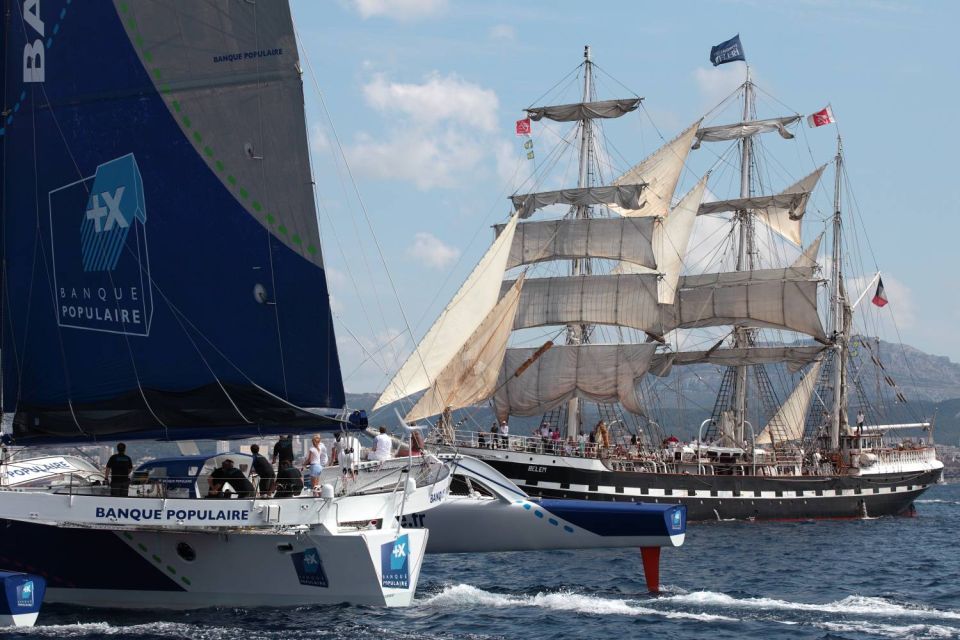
471	375
670	239
600	373
626	239
745	130
456	323
628	300
787	424
623	195
660	171
808	258
794	357
585	110
774	298
186	135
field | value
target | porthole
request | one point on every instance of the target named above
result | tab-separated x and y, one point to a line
186	552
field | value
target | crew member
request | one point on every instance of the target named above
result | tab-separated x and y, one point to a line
289	481
283	449
316	459
228	474
117	471
382	446
264	470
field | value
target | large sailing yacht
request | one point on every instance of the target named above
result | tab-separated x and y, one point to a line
605	301
162	279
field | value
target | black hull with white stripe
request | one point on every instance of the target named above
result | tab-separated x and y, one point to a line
718	497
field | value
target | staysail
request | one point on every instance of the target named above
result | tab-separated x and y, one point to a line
456	323
163	269
471	375
787	423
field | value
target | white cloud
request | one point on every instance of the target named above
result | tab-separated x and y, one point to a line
438	133
432	251
402	10
504	32
438	99
716	83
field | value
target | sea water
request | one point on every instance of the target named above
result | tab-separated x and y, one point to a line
856	579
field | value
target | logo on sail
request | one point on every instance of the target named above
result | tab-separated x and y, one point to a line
101	267
394	563
310	568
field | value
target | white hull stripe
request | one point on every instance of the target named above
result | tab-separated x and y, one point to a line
654	492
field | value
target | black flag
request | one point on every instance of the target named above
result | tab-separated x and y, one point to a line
727	51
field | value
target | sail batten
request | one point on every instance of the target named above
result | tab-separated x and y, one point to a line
585	110
625	239
622	195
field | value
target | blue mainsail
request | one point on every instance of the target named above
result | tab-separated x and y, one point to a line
162	268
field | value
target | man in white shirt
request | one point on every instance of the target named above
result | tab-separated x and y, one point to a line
382	446
505	434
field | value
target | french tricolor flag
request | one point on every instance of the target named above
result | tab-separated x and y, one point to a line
880	297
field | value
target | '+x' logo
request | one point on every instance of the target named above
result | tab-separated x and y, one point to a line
399	550
111	212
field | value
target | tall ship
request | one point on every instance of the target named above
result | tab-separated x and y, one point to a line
590	320
163	280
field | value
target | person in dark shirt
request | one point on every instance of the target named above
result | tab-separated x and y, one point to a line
226	473
117	471
283	450
264	470
289	481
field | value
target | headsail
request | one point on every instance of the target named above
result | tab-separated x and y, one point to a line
163	268
471	375
787	424
808	258
661	172
456	323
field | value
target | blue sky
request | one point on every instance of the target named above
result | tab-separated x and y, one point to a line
423	94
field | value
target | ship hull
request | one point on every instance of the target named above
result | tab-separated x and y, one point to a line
153	569
719	497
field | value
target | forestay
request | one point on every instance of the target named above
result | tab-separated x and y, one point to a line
626	239
600	373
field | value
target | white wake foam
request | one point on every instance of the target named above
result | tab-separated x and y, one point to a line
463	595
859	605
904	632
96	629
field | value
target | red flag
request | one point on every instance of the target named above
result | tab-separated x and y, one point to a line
880	297
822	117
523	127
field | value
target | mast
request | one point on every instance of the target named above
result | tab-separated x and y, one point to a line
744	263
578	334
837	327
